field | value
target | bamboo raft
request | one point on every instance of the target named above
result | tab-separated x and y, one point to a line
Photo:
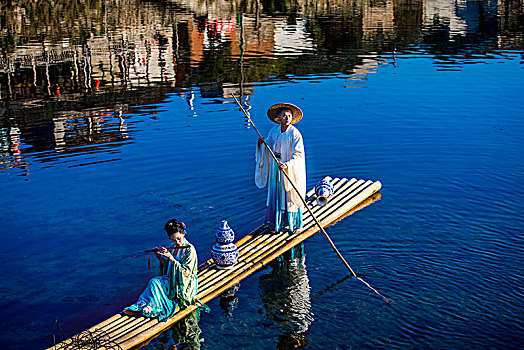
256	250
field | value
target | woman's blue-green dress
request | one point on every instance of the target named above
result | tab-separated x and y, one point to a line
174	288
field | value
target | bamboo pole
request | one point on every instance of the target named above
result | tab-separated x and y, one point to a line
254	266
307	207
116	325
291	240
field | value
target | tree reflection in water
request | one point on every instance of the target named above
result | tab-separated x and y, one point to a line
285	293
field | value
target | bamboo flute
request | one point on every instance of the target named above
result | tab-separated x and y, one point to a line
307	207
170	248
153	250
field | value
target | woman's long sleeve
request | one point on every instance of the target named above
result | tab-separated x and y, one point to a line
182	278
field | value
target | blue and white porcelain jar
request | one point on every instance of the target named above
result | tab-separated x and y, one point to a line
323	189
225	234
224	252
224	255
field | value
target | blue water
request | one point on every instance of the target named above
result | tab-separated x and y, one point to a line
443	132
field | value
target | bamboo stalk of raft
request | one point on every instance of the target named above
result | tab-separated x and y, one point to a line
242	247
256	249
258	254
255	265
245	251
251	252
147	324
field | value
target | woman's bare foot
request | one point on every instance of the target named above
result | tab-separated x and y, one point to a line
297	231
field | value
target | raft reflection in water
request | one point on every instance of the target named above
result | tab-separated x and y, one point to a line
229	300
285	293
184	334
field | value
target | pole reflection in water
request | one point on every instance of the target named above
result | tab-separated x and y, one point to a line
190	99
247	108
285	293
184	334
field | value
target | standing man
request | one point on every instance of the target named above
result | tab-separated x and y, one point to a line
284	206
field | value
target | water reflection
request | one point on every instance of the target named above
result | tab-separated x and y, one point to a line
52	56
229	300
126	44
184	334
90	131
285	293
10	157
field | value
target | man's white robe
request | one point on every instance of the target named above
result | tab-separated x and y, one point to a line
293	155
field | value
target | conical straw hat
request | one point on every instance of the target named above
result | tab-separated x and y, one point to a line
274	111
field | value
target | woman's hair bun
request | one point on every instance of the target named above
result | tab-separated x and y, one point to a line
173	226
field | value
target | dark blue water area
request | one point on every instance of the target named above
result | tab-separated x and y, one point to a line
444	243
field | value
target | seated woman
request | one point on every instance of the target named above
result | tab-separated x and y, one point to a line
176	283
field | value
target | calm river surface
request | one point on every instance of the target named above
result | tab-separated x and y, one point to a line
117	115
